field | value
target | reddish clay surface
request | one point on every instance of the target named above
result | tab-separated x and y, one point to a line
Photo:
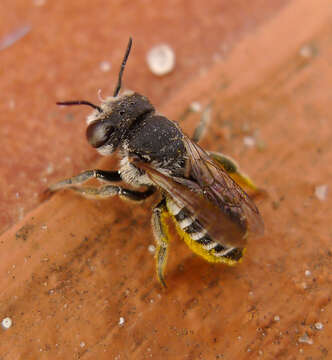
72	268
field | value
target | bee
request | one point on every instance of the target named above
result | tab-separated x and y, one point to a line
199	190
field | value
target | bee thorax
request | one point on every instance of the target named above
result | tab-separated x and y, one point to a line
131	175
157	140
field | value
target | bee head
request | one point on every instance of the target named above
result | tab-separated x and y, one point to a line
110	122
108	127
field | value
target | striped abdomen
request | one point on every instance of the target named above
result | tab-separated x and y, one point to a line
198	239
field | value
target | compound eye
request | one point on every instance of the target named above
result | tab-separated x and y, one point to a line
98	133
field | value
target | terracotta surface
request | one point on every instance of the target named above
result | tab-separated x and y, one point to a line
77	278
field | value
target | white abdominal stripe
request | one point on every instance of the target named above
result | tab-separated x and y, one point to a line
196	231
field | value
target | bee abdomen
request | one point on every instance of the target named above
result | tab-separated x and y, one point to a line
193	228
198	239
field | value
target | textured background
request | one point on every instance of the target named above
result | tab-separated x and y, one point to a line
70	268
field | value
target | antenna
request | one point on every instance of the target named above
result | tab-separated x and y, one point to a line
80	102
117	89
118	86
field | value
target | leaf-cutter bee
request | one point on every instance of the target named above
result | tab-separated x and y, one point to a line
199	190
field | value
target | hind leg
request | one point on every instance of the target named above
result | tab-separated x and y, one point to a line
161	235
233	170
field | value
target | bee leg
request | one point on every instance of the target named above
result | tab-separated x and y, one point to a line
102	175
233	170
107	191
160	231
201	127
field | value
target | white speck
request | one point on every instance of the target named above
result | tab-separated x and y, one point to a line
21	213
307	273
249	141
301	351
239	337
277	318
152	249
260	352
13	37
17	195
319	326
321	192
82	344
307	51
49	169
121	321
105	66
65	306
39	2
161	59
151	301
14	266
45	283
251	293
304	285
44	227
12	104
306	339
6	323
195	106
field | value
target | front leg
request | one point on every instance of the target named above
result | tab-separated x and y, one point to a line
107	191
102	175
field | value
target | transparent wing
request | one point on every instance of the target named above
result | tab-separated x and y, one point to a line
212	197
222	190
